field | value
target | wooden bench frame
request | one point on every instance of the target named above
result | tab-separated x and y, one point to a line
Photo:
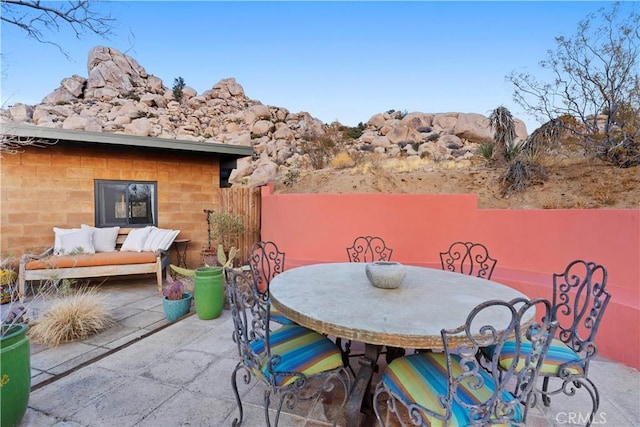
161	263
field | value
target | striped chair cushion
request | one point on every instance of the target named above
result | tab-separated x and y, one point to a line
558	354
422	378
301	350
278	317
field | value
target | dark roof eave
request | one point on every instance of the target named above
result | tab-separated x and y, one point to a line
31	131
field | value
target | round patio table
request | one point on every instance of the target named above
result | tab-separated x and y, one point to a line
337	299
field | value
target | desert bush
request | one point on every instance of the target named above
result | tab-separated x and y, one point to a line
352	132
433	137
342	160
144	115
486	150
319	149
290	177
424	129
511	151
75	316
177	88
521	173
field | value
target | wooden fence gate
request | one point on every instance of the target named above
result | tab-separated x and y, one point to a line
246	202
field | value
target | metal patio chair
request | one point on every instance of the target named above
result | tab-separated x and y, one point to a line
452	388
293	363
267	261
369	249
579	302
468	258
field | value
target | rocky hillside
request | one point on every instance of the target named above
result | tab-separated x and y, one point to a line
120	96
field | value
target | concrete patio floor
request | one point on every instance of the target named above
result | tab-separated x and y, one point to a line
146	372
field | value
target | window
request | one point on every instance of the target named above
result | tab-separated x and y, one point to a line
126	203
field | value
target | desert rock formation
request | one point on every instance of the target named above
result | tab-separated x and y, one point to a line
119	96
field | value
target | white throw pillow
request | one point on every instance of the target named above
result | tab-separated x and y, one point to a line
135	239
77	242
57	244
168	239
154	237
104	239
159	238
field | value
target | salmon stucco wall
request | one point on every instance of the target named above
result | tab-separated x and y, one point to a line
43	188
530	245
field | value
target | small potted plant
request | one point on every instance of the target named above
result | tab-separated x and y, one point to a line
224	229
175	302
8	278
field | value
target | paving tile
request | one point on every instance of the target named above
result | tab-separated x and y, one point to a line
180	374
50	358
143	319
64	397
113	337
78	360
179	368
125	404
181	410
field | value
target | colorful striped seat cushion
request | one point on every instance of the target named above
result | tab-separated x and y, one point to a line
278	317
423	379
301	350
558	354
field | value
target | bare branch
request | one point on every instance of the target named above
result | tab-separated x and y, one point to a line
595	82
37	18
12	144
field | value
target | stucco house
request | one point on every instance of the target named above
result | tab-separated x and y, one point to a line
67	178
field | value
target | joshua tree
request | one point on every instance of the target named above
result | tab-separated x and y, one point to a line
501	121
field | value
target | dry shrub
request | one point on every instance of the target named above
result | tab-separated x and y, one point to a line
603	194
342	160
520	174
75	316
410	164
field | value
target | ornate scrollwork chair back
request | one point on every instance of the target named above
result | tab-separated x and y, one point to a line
366	249
578	304
468	258
293	363
266	262
453	388
369	249
579	301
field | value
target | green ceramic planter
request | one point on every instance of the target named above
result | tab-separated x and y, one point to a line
209	292
15	375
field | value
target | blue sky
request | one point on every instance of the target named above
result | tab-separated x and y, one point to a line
342	61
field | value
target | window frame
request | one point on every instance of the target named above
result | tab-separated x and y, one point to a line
101	186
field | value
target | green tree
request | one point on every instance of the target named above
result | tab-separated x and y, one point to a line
178	86
596	81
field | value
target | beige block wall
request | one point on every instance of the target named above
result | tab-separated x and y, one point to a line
43	188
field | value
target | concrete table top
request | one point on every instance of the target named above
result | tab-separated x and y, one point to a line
337	299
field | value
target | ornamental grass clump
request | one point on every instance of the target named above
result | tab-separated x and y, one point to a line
72	317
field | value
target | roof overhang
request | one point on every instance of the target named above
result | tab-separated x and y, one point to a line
23	130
